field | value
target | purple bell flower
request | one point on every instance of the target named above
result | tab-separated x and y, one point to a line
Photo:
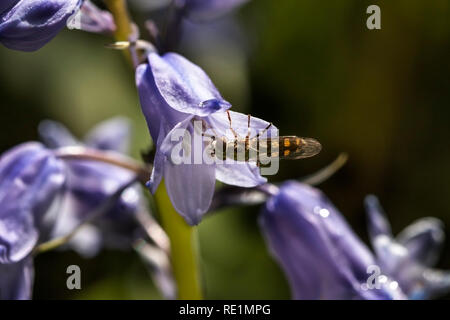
173	93
31	178
27	25
321	255
409	258
91	183
31	181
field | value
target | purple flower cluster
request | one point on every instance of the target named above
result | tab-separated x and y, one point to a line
43	197
96	203
324	259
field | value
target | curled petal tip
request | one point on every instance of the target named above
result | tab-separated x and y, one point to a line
214	105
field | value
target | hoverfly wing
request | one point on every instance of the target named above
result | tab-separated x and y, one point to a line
293	148
284	147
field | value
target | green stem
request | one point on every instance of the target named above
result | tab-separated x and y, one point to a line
183	245
119	10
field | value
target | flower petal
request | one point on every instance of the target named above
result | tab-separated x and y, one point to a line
158	164
55	135
190	188
113	134
31	179
240	174
16	280
30	24
390	254
160	117
184	86
90	183
423	239
378	224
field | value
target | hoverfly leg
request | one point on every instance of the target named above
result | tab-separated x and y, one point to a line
264	131
247	137
236	136
207	126
248	127
214	137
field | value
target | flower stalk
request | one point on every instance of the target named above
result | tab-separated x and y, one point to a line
183	244
119	10
122	20
113	158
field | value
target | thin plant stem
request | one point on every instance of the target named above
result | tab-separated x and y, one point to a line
106	205
325	173
124	27
110	157
184	248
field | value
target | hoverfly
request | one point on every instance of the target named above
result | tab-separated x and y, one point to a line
252	149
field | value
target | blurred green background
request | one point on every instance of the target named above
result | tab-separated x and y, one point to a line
310	67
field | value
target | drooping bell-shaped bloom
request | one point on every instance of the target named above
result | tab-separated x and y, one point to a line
27	25
90	184
174	93
319	252
31	181
409	257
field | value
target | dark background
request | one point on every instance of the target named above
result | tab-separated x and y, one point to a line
313	69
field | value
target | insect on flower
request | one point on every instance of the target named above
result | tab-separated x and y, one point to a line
253	149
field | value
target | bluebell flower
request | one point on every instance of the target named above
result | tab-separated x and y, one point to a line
91	183
31	182
409	258
27	25
173	93
319	252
